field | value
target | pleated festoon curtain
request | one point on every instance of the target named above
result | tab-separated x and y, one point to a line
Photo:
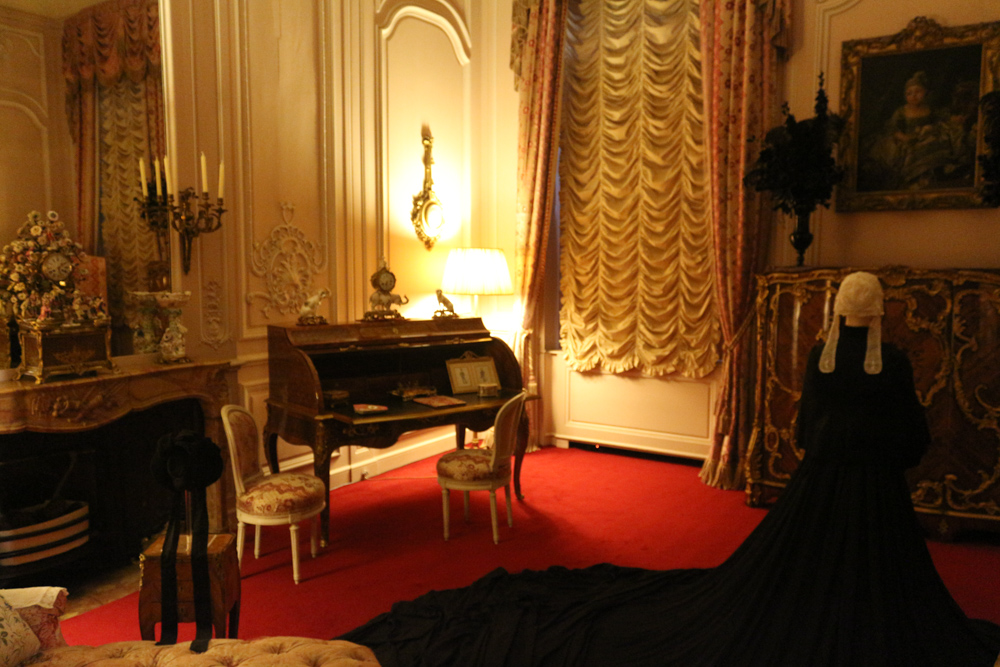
661	239
742	44
536	59
636	254
114	99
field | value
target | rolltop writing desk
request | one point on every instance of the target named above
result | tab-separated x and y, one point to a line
370	360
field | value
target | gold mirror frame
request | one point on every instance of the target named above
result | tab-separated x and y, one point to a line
921	35
427	214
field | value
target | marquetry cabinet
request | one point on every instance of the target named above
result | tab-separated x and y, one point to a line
948	322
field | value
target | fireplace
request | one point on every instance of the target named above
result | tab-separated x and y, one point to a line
89	441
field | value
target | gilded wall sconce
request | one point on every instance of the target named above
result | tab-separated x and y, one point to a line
427	215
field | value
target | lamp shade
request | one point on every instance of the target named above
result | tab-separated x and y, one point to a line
476	271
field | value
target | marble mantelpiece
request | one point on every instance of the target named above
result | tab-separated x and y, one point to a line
80	404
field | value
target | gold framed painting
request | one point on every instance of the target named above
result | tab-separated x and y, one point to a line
913	126
467	373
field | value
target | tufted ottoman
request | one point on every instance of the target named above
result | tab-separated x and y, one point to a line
262	652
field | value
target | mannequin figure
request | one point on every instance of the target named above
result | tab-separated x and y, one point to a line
837	574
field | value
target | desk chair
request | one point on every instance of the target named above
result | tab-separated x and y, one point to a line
278	499
484	469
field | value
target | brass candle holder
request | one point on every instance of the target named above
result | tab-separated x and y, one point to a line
193	217
156	212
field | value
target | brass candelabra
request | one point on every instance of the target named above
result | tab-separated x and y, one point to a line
193	216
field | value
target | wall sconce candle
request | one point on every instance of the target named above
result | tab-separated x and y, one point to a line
193	217
142	178
427	214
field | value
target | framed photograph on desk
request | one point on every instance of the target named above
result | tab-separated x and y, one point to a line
467	373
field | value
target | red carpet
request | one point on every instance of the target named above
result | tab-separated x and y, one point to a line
580	508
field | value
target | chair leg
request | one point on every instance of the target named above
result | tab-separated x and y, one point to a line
493	515
256	541
445	502
466	498
293	529
510	511
240	536
313	535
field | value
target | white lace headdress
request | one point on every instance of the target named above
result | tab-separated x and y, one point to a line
860	294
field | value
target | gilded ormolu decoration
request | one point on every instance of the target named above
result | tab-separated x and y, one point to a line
978	398
427	214
288	262
914	130
948	322
382	300
50	351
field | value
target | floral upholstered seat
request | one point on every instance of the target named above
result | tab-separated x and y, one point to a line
483	469
472	465
281	498
281	493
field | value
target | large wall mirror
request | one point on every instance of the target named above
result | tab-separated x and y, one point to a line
81	99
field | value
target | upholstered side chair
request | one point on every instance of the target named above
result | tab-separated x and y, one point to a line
483	469
276	499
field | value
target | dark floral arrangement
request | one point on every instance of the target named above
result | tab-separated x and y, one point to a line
990	160
796	164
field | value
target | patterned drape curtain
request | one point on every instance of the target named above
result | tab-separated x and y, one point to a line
114	99
742	42
636	256
536	59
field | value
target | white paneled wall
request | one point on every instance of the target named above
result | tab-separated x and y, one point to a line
36	168
317	108
629	411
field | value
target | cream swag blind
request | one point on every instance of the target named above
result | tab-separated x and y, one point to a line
636	252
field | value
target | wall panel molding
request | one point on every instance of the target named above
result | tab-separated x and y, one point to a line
630	411
387	22
826	11
31	157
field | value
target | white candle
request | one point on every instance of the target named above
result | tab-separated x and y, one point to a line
159	174
222	176
170	180
142	178
204	174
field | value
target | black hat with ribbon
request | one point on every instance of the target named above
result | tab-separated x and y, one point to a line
186	463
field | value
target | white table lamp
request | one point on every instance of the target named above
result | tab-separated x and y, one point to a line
476	271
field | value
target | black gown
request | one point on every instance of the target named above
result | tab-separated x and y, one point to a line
836	574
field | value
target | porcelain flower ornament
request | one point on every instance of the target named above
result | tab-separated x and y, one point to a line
38	271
